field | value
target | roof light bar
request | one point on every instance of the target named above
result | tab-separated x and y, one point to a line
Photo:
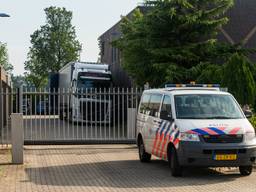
192	85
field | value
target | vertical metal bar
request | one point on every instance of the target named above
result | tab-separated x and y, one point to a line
35	122
86	113
127	107
114	112
123	111
63	114
17	100
20	99
49	115
59	92
31	113
118	112
26	111
2	117
72	114
95	113
105	111
46	110
100	109
68	111
6	111
82	113
109	113
54	113
77	113
40	112
91	112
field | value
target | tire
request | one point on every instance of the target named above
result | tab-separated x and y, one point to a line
143	155
176	169
245	170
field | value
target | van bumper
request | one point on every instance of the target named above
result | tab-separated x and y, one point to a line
202	154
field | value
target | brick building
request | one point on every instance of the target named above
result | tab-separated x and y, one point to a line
240	29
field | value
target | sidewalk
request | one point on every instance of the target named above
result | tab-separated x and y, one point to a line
109	168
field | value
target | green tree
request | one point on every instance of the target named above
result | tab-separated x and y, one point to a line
53	46
173	36
4	60
238	78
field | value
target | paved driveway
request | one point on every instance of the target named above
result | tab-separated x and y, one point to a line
110	168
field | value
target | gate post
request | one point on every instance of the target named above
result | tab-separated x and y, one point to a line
17	138
131	123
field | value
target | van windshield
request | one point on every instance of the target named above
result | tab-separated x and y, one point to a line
206	107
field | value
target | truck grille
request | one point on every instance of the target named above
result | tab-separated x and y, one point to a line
94	111
222	138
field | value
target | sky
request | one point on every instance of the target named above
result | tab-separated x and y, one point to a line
90	17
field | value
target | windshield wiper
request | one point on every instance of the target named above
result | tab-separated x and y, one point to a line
220	117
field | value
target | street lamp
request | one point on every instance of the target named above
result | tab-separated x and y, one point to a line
4	15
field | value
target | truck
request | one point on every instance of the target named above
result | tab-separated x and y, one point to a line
78	84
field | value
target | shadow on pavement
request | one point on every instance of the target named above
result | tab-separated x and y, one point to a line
125	174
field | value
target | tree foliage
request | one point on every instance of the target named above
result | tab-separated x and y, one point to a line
238	77
4	60
173	36
53	46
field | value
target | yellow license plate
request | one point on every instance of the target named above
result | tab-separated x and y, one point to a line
230	157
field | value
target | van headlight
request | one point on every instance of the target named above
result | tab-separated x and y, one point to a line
249	136
189	137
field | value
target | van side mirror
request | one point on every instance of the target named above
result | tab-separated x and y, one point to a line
248	114
166	116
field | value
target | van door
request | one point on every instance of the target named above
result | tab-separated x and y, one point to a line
154	121
163	135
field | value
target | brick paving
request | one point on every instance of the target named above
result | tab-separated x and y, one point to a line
108	168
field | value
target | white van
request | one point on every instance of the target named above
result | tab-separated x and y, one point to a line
195	125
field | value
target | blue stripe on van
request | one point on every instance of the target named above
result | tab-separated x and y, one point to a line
200	131
163	127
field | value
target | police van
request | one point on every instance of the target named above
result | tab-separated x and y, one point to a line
195	125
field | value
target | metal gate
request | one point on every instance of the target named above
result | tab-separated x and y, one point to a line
72	116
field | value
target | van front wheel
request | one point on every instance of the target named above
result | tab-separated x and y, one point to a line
174	165
144	156
245	170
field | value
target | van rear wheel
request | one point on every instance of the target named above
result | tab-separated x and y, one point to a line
245	170
144	156
176	169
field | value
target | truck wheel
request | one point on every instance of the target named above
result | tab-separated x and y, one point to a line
174	165
245	170
144	156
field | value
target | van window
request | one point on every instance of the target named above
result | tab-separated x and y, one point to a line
154	105
166	109
144	103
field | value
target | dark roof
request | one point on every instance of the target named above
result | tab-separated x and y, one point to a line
241	25
242	21
142	9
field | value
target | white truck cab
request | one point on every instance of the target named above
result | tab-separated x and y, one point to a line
195	125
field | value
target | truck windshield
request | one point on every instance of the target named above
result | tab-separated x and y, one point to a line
206	107
88	83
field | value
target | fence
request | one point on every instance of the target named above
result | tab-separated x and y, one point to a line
74	116
6	97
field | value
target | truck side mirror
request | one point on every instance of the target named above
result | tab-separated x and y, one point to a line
166	116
